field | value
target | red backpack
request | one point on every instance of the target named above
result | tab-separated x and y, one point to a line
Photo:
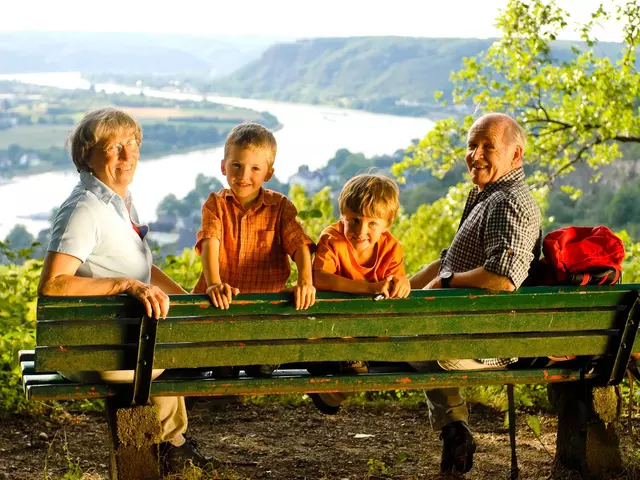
583	256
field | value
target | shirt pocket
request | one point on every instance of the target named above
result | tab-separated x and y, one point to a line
266	239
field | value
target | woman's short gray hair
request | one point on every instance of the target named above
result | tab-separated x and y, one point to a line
96	126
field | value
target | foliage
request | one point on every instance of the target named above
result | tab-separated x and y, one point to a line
430	229
577	109
631	264
184	268
315	212
18	292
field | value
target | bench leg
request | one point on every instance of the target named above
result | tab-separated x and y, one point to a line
134	434
587	438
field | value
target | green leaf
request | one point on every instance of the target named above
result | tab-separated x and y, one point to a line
534	424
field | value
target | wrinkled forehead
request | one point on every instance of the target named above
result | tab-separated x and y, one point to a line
487	129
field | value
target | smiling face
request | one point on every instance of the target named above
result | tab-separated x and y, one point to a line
114	161
363	232
246	170
491	154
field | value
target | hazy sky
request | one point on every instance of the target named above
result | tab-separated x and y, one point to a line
278	18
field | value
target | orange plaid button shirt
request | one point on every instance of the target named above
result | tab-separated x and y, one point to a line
254	243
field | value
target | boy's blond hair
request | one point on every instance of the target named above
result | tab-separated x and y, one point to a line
252	135
371	195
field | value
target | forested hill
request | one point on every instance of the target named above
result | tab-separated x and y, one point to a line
383	74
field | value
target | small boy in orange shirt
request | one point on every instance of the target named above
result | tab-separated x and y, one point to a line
248	232
359	255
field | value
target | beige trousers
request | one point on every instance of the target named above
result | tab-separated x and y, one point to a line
171	410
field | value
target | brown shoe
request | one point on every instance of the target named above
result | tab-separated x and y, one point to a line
176	459
458	447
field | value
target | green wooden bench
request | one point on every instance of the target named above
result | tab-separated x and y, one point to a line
111	333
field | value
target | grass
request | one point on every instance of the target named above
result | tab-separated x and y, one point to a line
35	136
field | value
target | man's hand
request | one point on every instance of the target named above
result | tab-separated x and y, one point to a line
400	287
304	295
155	301
435	283
220	294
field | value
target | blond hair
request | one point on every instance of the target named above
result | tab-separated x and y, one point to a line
97	126
371	195
252	135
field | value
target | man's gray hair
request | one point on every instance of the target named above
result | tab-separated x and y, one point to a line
513	132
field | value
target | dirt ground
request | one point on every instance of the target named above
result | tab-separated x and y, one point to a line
287	441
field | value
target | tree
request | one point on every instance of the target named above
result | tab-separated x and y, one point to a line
576	110
19	238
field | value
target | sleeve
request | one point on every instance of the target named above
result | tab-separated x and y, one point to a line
75	231
292	233
326	258
211	226
395	264
510	237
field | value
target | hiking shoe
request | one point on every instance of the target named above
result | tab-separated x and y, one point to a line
176	459
259	371
457	449
327	403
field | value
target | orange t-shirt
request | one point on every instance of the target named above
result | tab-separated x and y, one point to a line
254	243
336	255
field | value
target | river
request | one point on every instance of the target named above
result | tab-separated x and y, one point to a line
310	135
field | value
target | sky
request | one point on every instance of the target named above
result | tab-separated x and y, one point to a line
277	18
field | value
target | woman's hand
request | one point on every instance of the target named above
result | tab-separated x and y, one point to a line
220	294
155	301
304	295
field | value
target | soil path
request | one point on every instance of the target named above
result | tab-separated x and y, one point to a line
276	441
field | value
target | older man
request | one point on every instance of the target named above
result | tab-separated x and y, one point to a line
493	249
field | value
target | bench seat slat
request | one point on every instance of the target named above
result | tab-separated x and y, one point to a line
212	329
451	300
280	352
309	384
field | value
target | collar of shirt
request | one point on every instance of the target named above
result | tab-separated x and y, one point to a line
265	197
514	176
105	194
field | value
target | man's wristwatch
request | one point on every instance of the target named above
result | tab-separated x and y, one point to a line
445	279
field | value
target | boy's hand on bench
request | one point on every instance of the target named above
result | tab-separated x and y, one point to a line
304	295
400	287
221	293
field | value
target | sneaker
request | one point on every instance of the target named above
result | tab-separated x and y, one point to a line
457	449
176	459
259	371
327	403
354	366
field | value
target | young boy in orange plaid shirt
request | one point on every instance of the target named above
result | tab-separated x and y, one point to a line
359	255
248	232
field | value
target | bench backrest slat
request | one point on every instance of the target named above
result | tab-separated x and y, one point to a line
100	333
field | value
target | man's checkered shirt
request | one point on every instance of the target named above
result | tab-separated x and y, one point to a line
498	231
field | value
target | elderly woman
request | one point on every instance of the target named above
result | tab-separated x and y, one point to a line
98	247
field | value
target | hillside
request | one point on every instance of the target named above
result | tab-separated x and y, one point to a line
139	53
383	74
